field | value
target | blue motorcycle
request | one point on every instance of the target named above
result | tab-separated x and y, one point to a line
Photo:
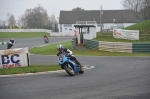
69	65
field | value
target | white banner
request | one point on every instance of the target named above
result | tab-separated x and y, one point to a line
126	34
14	58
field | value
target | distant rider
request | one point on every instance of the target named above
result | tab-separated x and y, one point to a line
69	54
10	43
45	37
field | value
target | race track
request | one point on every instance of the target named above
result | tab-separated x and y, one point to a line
111	78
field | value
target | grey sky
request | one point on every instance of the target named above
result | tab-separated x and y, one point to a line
18	7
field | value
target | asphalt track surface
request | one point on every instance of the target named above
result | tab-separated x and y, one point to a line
111	78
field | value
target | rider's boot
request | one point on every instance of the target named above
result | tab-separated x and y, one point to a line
78	64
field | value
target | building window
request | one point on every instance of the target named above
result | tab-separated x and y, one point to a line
98	25
65	25
65	28
91	22
69	25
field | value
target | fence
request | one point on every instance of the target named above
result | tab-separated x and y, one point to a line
117	46
92	44
143	35
141	47
25	30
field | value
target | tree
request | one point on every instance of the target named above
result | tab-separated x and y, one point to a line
36	17
142	7
132	4
53	22
11	20
77	9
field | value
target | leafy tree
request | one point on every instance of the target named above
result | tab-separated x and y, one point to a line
36	17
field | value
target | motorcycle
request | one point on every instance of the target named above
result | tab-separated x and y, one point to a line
9	45
69	65
46	40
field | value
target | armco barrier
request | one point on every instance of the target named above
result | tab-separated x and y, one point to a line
5	43
141	47
93	44
117	46
25	30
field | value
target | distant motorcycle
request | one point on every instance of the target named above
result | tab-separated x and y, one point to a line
9	45
46	40
69	65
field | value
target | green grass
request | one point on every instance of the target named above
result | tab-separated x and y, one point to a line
22	34
145	25
52	50
30	69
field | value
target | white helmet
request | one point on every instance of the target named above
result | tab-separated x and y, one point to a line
60	47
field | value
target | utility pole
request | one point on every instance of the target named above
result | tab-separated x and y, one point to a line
101	12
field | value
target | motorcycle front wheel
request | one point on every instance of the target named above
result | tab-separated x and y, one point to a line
69	70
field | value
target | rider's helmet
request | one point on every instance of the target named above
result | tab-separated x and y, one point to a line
12	39
60	47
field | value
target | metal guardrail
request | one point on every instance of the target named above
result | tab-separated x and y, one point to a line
117	46
5	43
92	44
141	47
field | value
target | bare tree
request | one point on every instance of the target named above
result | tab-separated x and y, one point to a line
22	21
53	22
146	9
142	7
11	19
132	4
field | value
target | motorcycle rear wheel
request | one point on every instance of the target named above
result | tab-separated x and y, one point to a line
9	46
69	70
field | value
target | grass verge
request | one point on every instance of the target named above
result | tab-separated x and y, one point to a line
30	69
52	50
140	26
22	34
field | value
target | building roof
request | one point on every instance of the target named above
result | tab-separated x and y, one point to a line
120	16
81	26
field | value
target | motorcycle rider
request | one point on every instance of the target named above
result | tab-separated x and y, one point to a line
69	54
45	38
10	43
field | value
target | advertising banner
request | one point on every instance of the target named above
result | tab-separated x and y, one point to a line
126	34
14	58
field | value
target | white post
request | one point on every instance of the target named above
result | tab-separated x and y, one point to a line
101	12
114	23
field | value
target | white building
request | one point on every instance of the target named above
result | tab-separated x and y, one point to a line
109	19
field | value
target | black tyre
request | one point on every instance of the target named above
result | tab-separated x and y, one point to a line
81	70
69	70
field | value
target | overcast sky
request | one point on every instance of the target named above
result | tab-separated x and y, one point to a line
18	7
